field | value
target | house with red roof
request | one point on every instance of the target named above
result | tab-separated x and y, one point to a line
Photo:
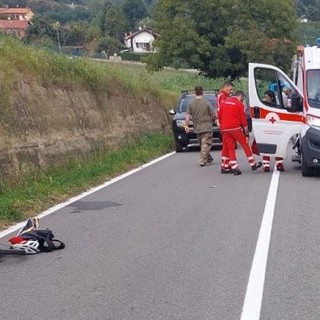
15	21
16	14
14	27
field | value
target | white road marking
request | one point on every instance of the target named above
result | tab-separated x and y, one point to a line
253	299
93	190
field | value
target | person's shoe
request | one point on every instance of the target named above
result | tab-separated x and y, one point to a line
236	172
202	164
225	171
210	160
280	167
256	166
266	169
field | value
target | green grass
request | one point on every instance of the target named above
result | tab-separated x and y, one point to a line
39	190
169	79
53	70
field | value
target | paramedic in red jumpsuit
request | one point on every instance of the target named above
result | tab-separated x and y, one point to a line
235	129
223	95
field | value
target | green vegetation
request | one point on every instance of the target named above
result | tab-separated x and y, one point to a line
51	69
133	56
219	39
212	36
309	9
170	79
308	32
36	191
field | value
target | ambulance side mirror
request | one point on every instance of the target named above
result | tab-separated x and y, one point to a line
296	103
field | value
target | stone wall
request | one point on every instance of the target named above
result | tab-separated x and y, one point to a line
42	126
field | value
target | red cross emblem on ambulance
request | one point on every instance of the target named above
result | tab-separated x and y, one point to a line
272	120
272	117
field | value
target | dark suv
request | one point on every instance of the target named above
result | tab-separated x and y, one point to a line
185	140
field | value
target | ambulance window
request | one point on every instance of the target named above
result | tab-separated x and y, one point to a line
313	88
286	92
267	83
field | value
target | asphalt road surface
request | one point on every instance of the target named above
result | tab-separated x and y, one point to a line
175	241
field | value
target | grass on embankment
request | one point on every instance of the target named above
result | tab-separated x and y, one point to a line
39	190
53	70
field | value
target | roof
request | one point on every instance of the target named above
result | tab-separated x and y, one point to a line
13	24
148	30
14	10
190	93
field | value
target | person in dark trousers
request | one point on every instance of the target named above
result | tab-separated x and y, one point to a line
203	115
235	129
223	95
270	98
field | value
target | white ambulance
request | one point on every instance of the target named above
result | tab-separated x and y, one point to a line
295	112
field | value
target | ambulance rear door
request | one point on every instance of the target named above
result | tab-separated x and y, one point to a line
274	122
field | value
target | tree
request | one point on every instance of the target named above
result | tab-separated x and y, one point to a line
134	11
41	33
309	9
103	18
108	45
192	32
179	43
219	37
264	31
75	34
308	32
112	27
313	11
92	36
115	23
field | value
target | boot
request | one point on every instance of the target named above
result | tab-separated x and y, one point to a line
236	172
280	167
256	166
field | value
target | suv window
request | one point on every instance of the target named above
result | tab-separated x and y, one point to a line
185	101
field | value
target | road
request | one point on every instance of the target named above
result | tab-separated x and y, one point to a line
175	241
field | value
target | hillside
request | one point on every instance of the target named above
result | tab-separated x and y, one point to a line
53	108
43	6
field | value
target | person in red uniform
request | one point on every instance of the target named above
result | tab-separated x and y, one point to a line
223	95
235	129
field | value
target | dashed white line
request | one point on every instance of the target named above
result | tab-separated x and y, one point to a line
254	294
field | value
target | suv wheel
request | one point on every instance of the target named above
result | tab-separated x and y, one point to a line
179	146
305	170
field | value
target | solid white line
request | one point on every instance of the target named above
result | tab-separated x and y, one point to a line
93	190
252	304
